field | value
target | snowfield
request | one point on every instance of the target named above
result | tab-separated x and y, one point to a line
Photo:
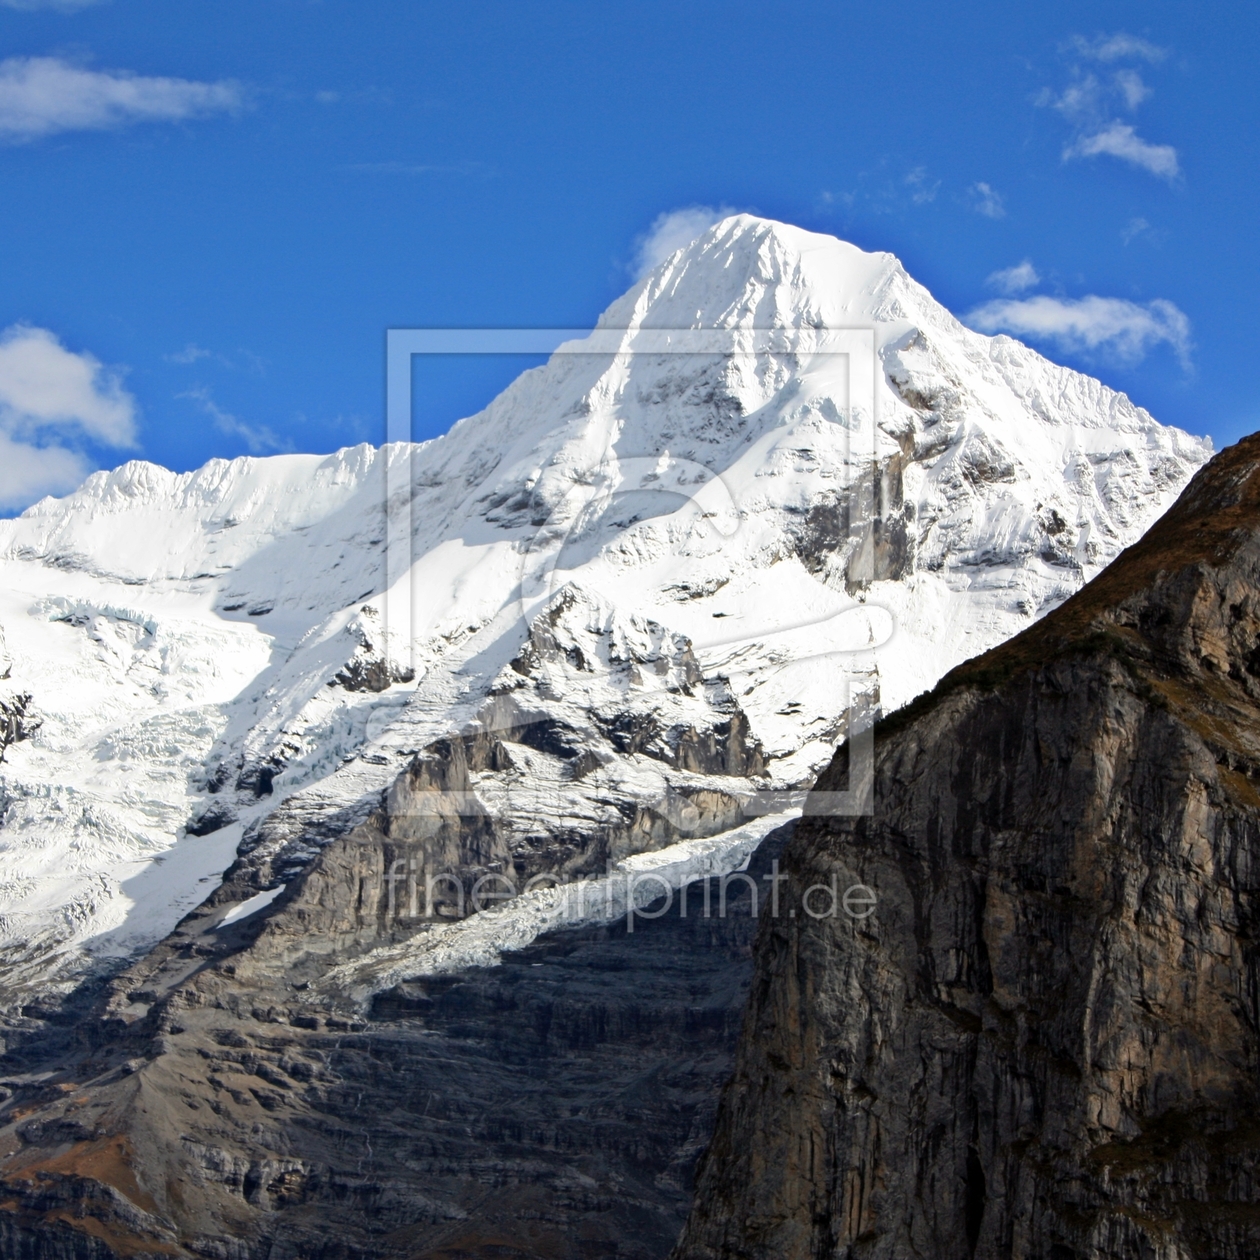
210	657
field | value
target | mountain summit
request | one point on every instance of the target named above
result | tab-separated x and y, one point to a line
213	687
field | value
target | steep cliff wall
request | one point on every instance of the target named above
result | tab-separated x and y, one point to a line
1044	1043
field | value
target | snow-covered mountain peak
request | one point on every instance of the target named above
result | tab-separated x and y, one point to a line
750	272
640	591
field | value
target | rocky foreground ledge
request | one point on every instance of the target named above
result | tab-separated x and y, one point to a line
1044	1045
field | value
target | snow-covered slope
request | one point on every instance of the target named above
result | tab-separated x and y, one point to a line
640	570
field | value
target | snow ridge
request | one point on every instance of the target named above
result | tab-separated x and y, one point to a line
209	655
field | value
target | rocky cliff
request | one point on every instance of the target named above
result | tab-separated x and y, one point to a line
1044	1044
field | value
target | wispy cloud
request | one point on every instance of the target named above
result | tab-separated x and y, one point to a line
672	230
41	96
1018	279
1142	229
191	353
1134	228
1094	97
986	200
51	399
1119	47
422	168
827	199
923	188
893	189
1123	330
242	360
1132	87
64	6
1122	141
258	438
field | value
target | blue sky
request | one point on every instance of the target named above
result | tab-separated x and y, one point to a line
211	211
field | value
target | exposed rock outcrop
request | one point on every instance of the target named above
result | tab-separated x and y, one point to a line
1044	1044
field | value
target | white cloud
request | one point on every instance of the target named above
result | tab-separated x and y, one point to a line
49	395
1125	330
43	384
1015	279
1121	141
672	230
1140	227
258	439
1088	100
1081	99
28	472
189	354
986	200
243	360
923	189
1132	87
1091	105
64	6
40	96
1119	47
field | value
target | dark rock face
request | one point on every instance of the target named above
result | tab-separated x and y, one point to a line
211	819
553	1106
1045	1043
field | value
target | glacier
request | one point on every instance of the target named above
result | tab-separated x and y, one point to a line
221	683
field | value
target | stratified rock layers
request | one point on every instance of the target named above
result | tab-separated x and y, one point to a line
1044	1044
